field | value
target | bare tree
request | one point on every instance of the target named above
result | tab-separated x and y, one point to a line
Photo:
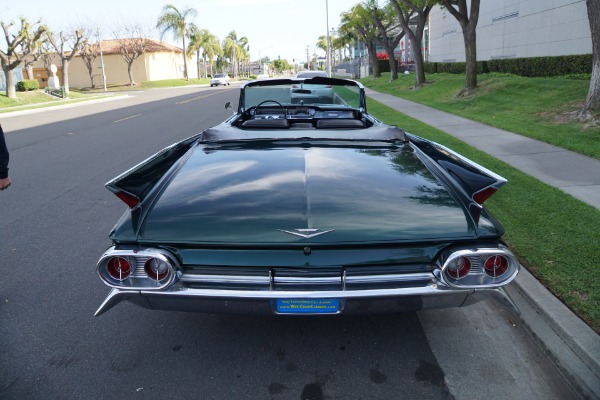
18	47
592	102
421	9
67	46
468	23
46	54
133	42
89	52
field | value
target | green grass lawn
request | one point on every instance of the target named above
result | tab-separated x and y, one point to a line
39	99
540	108
556	236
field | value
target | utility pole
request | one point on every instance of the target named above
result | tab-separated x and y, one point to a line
307	59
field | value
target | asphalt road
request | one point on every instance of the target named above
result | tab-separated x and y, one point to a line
54	222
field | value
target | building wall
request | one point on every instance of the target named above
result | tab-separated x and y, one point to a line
514	29
149	67
115	69
168	65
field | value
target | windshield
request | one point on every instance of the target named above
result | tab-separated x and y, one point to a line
219	75
304	93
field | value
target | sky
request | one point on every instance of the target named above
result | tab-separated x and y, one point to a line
274	28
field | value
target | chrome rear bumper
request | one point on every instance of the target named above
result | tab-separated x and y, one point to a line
263	302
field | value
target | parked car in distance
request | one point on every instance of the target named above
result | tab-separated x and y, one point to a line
305	209
306	93
220	79
312	74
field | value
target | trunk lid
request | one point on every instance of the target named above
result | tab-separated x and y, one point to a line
312	194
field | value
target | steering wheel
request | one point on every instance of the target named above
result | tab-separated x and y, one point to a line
271	101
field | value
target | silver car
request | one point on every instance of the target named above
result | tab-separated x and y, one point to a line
219	79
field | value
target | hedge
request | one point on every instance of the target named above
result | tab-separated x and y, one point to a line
28	84
529	67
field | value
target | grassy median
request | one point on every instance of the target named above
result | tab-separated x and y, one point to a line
541	108
555	236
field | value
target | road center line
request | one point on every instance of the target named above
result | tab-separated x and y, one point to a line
124	119
200	97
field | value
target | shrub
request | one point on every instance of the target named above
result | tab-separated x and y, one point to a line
28	84
543	66
574	66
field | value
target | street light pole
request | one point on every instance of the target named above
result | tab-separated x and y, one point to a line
101	59
328	39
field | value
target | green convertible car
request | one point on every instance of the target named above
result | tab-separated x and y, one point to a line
305	207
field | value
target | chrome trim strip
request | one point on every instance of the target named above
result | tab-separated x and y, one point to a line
344	279
308	294
308	280
203	278
383	278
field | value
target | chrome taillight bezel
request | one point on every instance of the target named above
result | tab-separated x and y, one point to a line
477	278
138	279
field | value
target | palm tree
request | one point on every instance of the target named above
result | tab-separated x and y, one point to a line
177	22
198	44
213	50
235	49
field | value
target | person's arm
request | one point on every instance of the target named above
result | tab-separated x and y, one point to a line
4	156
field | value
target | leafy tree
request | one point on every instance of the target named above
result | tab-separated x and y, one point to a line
385	21
67	46
322	43
18	47
468	23
358	22
177	22
281	66
421	9
592	101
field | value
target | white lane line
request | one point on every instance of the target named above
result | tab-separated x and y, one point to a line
124	119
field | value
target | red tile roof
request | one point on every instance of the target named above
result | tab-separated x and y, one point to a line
154	46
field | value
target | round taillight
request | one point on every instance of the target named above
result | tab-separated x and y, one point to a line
156	269
496	266
118	268
459	267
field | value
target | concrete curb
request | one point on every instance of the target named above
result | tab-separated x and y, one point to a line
570	342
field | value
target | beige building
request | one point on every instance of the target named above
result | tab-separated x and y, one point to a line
160	61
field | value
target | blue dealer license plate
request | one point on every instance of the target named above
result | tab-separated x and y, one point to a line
308	306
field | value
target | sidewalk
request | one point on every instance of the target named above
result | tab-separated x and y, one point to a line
569	341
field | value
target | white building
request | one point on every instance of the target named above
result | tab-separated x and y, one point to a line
514	29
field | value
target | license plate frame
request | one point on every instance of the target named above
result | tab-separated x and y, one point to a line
307	306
